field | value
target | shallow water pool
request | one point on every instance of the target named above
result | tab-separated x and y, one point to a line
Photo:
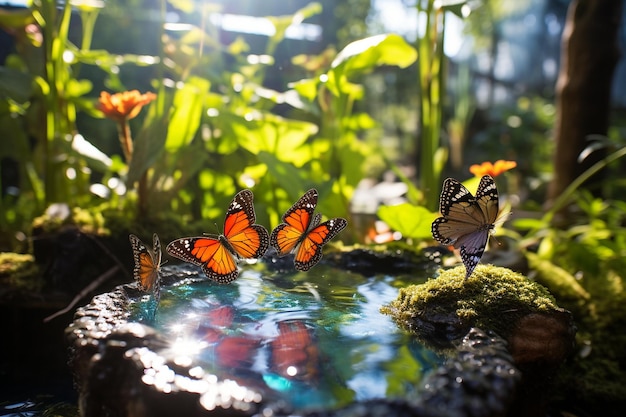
314	339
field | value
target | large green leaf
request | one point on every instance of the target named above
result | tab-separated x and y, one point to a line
288	176
412	221
362	56
281	23
150	142
187	113
274	134
307	88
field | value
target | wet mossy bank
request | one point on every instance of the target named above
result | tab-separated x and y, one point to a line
573	357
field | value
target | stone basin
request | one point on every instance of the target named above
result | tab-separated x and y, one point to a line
278	343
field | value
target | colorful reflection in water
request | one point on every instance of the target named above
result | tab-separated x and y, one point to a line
313	339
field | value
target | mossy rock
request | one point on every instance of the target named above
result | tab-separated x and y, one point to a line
19	271
442	310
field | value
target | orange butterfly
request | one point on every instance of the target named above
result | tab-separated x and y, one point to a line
241	239
147	263
302	232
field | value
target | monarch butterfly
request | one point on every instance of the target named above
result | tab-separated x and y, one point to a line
467	221
302	232
241	239
146	264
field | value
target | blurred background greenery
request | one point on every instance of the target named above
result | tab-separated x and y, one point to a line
373	102
271	103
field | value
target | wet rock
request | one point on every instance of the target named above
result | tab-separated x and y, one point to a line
118	371
480	380
368	261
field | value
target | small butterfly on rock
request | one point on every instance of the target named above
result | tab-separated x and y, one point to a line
302	233
147	263
217	255
467	221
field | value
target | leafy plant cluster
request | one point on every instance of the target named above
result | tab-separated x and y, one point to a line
214	127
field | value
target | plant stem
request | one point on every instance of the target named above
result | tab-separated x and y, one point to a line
125	140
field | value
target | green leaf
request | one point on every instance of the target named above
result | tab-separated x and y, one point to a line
412	221
274	134
529	224
150	142
307	88
281	23
290	178
187	113
77	88
352	156
557	279
363	55
189	160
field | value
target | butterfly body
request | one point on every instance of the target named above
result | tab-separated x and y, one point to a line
303	233
467	221
217	256
147	263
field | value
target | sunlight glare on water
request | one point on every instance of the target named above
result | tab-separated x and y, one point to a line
315	339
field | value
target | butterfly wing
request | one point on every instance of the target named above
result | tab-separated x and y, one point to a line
467	221
296	221
209	253
487	199
246	239
310	250
146	263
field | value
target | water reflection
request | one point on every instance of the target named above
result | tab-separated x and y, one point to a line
294	353
315	339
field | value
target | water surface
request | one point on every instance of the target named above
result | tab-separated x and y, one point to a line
314	339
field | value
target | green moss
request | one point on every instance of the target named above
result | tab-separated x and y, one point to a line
19	271
491	298
58	215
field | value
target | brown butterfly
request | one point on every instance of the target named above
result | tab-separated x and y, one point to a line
467	221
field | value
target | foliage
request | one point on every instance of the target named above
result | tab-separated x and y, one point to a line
41	94
431	80
213	128
580	258
19	271
518	132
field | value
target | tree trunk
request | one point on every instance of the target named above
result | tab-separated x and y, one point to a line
589	55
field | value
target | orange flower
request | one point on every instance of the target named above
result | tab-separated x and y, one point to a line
495	169
123	106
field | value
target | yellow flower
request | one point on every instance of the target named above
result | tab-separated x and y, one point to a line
495	169
123	106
